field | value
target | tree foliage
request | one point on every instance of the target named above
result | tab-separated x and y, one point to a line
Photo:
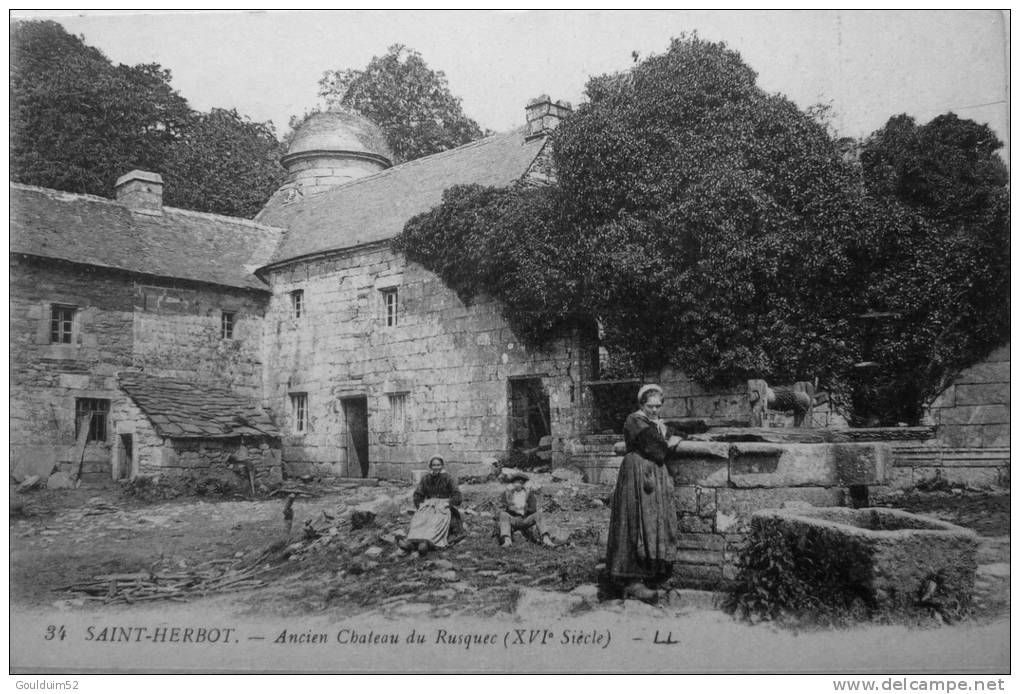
79	122
705	223
944	278
225	163
410	102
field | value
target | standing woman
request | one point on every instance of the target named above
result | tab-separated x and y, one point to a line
642	528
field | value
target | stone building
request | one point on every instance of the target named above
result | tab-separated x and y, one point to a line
301	336
101	287
370	361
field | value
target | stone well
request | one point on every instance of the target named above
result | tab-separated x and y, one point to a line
893	559
726	475
719	485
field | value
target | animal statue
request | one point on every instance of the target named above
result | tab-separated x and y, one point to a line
800	400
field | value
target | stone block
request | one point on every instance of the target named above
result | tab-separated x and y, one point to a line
861	463
737	505
40	461
697	575
975	414
982	394
74	381
978	477
701	541
686	499
698	556
986	372
993	435
708	502
886	555
782	465
700	463
694	524
59	480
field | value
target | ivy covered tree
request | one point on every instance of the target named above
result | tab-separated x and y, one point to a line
941	284
401	94
702	222
225	163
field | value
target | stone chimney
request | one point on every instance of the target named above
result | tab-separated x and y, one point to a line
544	114
141	191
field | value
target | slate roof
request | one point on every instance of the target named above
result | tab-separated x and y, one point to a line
375	208
99	231
185	410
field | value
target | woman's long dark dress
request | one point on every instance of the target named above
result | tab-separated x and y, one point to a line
642	528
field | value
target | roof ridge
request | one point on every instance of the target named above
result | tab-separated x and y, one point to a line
57	193
65	193
421	160
214	215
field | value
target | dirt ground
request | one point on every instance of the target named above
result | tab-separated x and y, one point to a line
67	537
352	579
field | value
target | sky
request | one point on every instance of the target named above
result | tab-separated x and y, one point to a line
867	65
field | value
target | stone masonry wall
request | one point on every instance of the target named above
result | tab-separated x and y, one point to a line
451	361
118	328
974	411
177	333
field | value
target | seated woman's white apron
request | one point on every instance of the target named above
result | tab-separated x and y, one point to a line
431	522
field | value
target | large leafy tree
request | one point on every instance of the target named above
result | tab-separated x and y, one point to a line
77	120
225	163
941	285
410	102
701	222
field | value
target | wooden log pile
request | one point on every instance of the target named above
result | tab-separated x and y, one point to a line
173	586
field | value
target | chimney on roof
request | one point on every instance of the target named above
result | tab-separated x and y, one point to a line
544	114
141	191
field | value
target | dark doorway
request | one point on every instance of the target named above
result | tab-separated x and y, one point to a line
356	418
127	459
529	412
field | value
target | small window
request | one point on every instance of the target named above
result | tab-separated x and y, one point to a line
389	307
94	411
297	302
299	410
398	413
62	324
227	325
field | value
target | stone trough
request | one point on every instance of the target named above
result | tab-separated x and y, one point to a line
893	560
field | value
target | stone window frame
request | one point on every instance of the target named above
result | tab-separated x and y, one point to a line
99	426
298	306
299	412
399	404
228	321
57	326
390	306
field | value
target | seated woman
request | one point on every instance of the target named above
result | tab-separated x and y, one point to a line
643	524
436	499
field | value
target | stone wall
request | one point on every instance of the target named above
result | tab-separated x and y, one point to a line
936	465
166	327
974	411
451	362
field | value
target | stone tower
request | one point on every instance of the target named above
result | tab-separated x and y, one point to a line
329	149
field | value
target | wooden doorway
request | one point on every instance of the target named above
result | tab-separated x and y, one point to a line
124	457
356	425
529	412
